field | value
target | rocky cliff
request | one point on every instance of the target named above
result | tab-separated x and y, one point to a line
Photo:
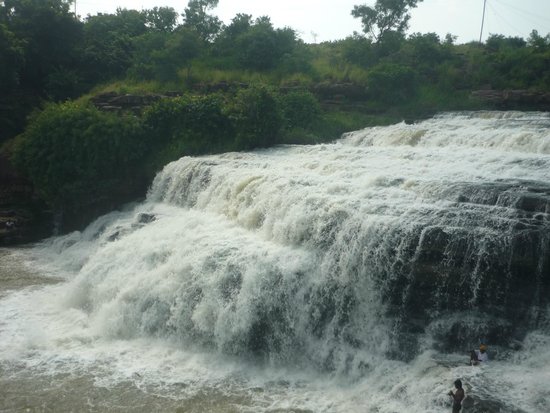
23	216
514	99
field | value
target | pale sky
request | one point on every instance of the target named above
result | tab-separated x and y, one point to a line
323	20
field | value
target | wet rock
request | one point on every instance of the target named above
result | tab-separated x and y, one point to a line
114	236
487	258
475	404
23	216
145	218
463	332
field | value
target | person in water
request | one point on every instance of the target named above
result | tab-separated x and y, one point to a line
457	396
479	356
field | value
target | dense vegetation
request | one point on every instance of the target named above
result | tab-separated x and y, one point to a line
242	85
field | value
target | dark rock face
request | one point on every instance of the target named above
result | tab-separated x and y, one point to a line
23	216
474	404
507	99
350	91
477	270
72	219
114	102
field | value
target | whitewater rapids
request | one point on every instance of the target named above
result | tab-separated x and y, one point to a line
323	278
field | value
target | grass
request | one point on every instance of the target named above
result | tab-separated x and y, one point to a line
202	73
335	120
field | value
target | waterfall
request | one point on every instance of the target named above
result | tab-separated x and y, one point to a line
383	245
326	253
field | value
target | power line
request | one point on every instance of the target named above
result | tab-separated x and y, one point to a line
541	20
519	32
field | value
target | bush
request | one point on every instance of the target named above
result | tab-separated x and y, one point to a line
75	154
391	83
300	108
257	117
188	125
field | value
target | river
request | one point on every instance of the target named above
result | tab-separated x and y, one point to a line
353	276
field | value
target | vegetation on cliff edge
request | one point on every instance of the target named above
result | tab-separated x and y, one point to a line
243	85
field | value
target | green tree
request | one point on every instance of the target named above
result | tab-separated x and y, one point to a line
160	55
359	50
262	47
12	58
196	17
497	42
424	53
513	63
39	58
108	45
225	46
538	42
240	24
389	43
385	16
51	36
257	45
164	19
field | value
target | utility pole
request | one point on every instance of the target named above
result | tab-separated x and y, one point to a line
482	20
314	35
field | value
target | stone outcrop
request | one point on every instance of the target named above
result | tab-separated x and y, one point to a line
509	99
346	95
23	216
115	102
476	404
340	91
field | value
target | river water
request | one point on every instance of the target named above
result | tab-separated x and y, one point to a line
288	280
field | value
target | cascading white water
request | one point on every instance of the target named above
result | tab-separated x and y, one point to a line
332	277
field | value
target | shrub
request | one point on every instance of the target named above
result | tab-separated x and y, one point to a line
75	154
188	125
257	117
300	108
391	83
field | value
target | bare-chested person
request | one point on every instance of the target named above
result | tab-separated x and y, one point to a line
457	396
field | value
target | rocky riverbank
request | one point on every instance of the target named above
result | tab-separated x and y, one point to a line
24	217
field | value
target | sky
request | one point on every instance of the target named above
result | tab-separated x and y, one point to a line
325	20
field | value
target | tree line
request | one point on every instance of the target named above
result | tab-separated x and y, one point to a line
48	54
